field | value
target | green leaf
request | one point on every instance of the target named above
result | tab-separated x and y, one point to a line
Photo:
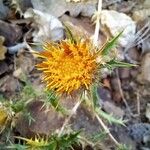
66	141
111	44
115	63
95	96
52	145
109	117
99	136
69	34
17	147
123	147
53	100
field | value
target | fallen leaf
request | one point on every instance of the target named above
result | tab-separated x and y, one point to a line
12	33
144	76
9	86
106	83
4	117
24	64
3	49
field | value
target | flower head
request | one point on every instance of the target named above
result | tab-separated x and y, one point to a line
68	66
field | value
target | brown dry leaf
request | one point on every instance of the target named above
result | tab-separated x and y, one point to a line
24	64
11	32
144	76
9	86
106	83
4	116
3	49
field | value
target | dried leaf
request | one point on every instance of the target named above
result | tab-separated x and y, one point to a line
12	33
3	49
4	117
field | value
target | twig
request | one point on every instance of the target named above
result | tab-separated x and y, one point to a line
95	43
138	103
107	130
71	114
97	26
86	140
122	95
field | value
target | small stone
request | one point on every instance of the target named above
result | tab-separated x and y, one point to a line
114	84
124	73
138	132
104	94
134	73
45	121
12	33
134	54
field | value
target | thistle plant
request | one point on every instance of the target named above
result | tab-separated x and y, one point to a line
73	67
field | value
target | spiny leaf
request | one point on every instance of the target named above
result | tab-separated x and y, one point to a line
35	143
98	136
17	147
115	63
123	147
111	44
95	96
67	140
109	117
53	99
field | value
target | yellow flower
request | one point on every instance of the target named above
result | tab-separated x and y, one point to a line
68	66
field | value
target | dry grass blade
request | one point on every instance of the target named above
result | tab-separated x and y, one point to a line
140	36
